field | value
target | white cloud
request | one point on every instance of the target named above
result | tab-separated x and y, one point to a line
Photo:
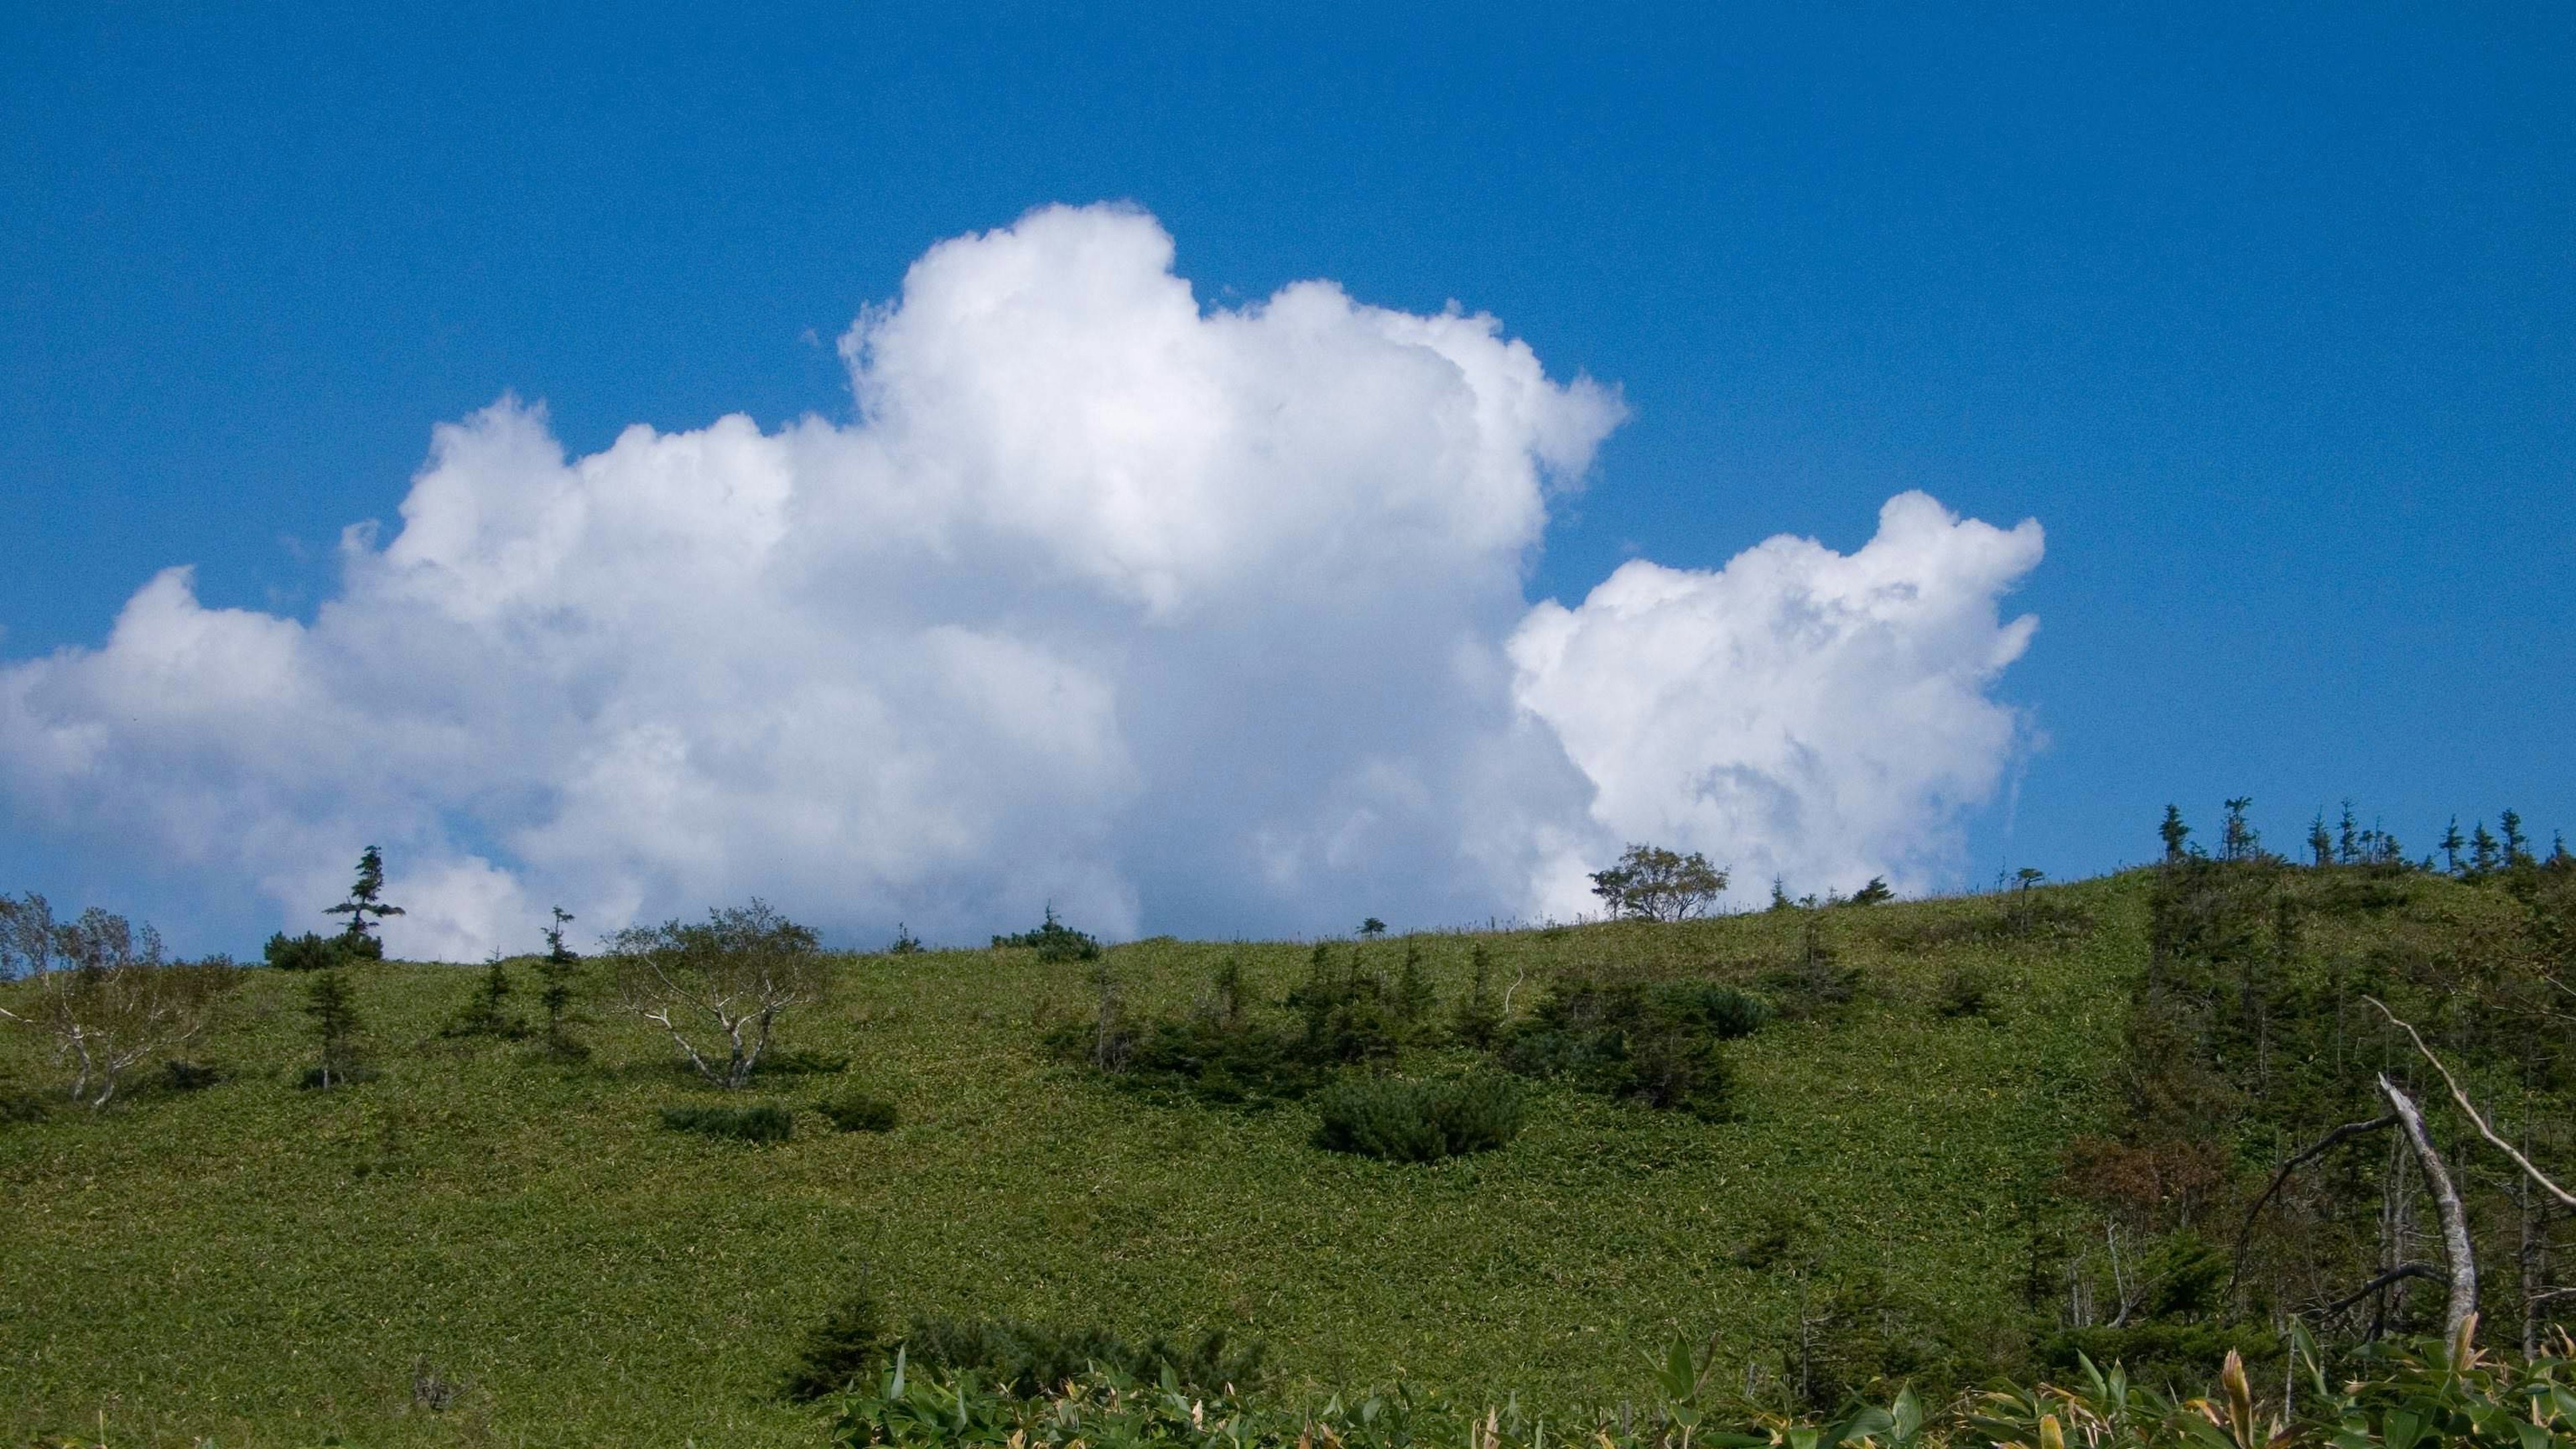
1192	619
1799	713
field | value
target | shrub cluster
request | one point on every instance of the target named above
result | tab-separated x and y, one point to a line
740	1124
1007	1356
1655	1044
1053	941
1401	1121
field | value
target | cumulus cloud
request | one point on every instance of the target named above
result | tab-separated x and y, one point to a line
1178	618
1799	714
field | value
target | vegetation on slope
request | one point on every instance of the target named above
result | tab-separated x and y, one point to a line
1926	1167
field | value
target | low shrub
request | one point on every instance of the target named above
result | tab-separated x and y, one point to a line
1655	1044
1006	1355
1401	1121
1053	941
308	952
841	1351
800	1064
739	1124
858	1112
1964	991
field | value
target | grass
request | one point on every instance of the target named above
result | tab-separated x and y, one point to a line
273	1266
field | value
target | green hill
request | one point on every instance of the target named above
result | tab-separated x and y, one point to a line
272	1265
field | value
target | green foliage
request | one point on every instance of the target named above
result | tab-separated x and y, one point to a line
333	1009
1873	893
842	1351
1053	940
185	1076
556	972
484	1013
365	907
308	952
779	1062
1655	1044
727	979
1651	883
1402	1121
1478	1021
904	943
858	1112
762	1123
1965	991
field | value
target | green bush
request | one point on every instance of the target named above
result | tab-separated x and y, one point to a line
858	1112
740	1124
1403	1121
1657	1045
800	1064
1054	941
190	1076
308	952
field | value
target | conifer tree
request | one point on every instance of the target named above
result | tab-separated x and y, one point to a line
2174	832
2517	846
2482	852
2451	844
2320	845
555	968
334	1012
2237	840
365	907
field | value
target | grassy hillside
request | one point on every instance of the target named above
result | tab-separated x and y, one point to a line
272	1265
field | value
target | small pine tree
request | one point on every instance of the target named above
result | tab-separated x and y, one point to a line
2174	832
2452	841
2517	846
555	969
2320	844
2482	852
2237	840
1780	895
2347	838
484	1016
1479	1020
1871	894
366	907
904	942
333	1009
1413	997
1372	928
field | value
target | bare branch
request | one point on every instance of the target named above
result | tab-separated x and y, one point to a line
2343	1133
2388	1279
2564	1197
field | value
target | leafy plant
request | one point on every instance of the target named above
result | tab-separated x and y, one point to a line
333	1010
106	996
1402	1121
731	976
1656	1044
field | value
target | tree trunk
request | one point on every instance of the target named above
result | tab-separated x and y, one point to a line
2457	1253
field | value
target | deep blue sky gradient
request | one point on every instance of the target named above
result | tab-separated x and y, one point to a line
2270	320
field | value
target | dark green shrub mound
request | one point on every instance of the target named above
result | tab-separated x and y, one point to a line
1006	1355
1054	941
740	1124
858	1112
800	1064
1657	1044
1404	1121
308	952
1222	1054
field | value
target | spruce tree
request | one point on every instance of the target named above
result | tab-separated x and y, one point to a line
333	1009
2452	841
365	908
2237	840
2482	852
2517	846
2320	845
555	969
2174	832
2347	840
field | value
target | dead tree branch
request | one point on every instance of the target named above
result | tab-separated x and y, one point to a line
2456	1249
2344	1133
2388	1279
2565	1198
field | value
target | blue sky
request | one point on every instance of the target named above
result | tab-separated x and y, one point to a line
2270	321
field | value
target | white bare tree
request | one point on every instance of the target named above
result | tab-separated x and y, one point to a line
104	992
728	978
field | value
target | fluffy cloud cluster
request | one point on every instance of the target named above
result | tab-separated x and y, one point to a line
1187	619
